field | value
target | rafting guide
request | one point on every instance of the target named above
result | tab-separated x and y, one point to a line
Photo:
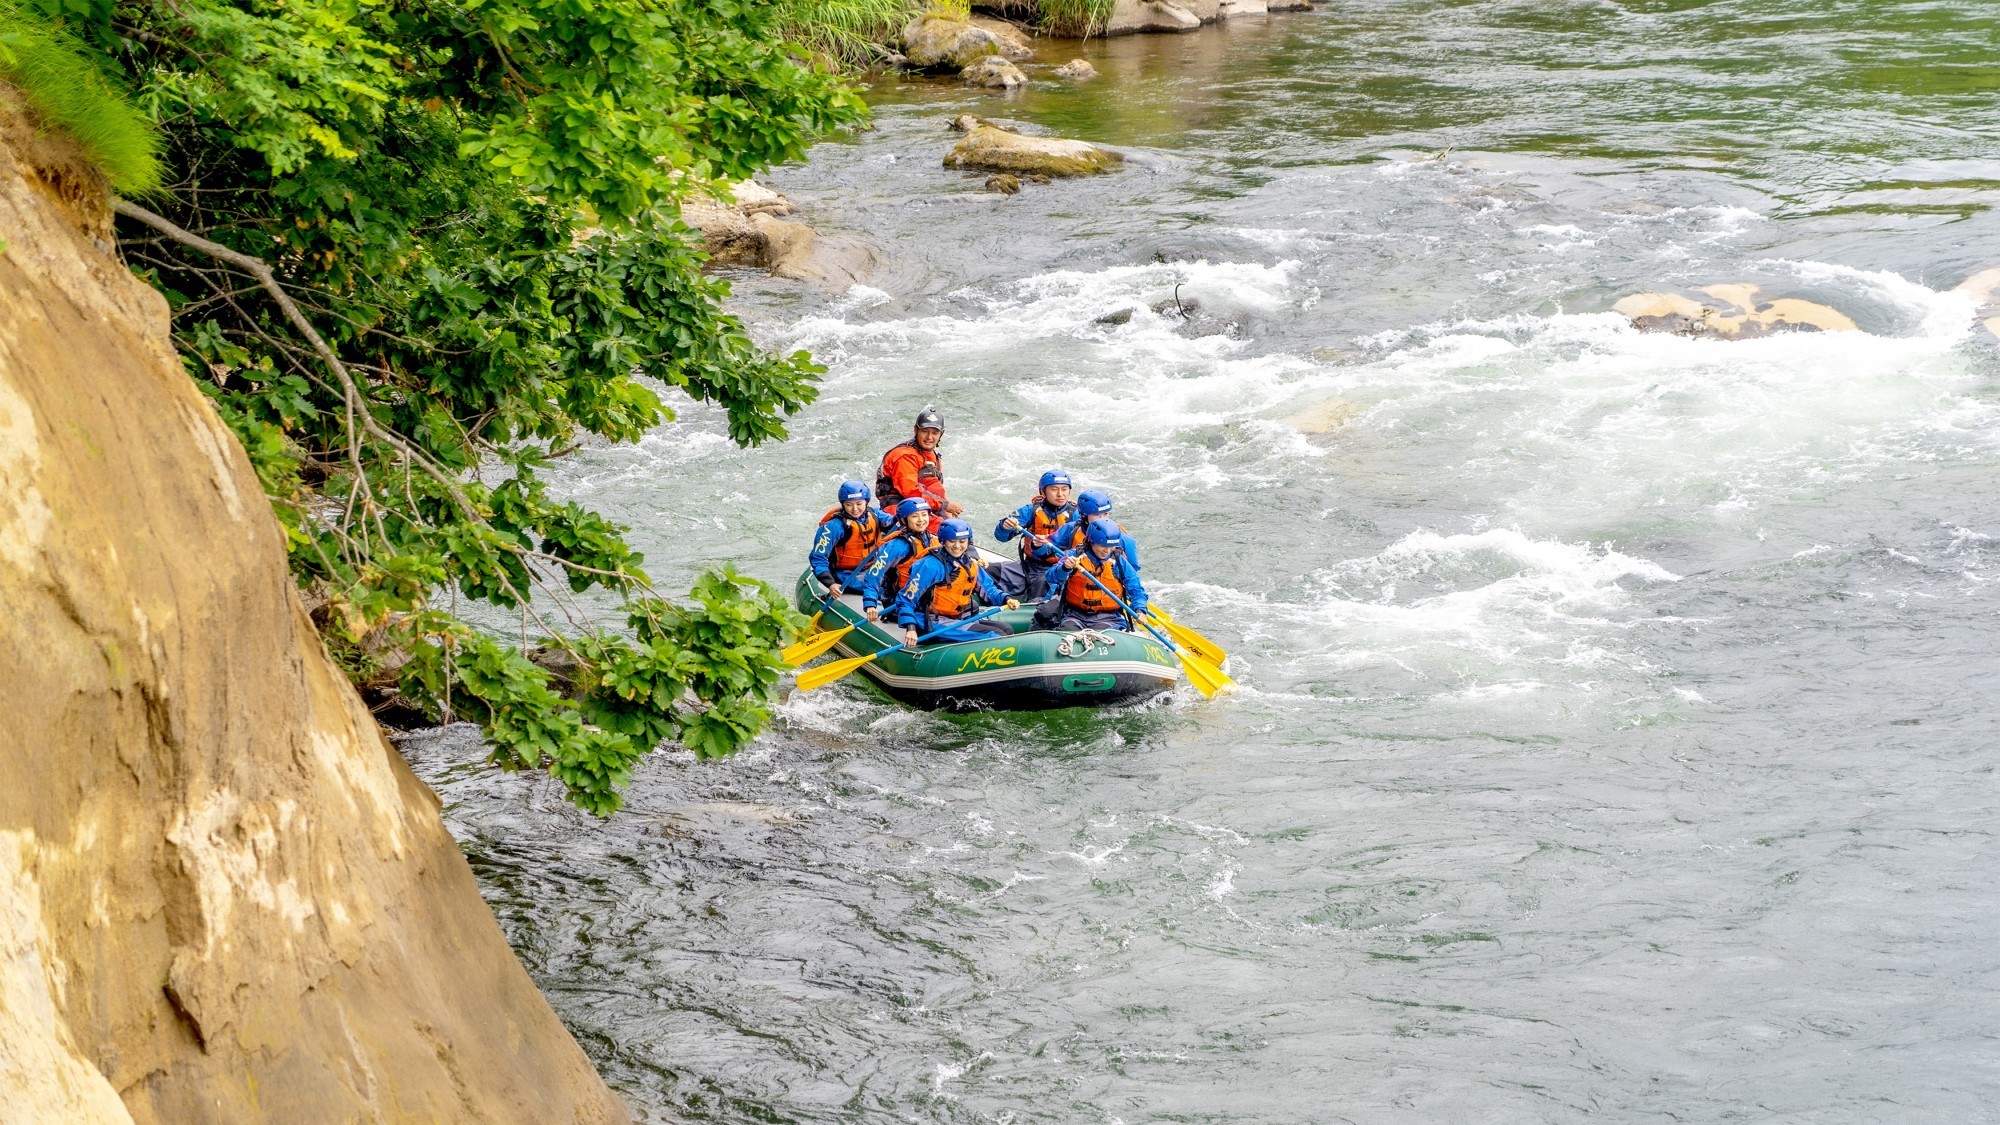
899	589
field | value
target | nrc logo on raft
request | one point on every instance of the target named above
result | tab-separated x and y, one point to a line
987	658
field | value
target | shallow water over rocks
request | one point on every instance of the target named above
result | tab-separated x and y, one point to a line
1616	740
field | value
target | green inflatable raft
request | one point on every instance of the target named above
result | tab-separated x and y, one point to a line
1029	671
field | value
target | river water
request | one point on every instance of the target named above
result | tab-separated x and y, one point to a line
1617	735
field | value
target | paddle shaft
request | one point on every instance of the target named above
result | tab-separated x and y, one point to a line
957	623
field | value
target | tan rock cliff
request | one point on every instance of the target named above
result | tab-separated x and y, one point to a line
223	896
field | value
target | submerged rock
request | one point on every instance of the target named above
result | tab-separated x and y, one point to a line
1729	312
1983	290
994	73
1078	69
1005	185
989	149
941	43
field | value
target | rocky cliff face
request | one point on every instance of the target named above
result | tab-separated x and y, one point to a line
223	896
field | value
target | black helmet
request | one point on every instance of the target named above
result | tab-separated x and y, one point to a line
930	420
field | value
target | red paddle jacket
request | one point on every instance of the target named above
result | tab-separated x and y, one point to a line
907	472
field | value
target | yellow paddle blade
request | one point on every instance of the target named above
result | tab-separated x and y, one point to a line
1206	677
827	673
806	650
1189	639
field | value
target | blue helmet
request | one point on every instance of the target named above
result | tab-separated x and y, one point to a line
911	507
853	490
1103	533
1093	503
954	530
1055	476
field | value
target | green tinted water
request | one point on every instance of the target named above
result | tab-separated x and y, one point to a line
1617	726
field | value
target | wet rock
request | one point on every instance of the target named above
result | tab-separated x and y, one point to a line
1119	316
1130	16
1013	40
1983	290
940	43
745	231
966	123
990	149
994	73
1289	5
753	198
1729	312
1003	183
729	236
1078	69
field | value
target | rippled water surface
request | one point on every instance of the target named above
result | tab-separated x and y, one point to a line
1617	732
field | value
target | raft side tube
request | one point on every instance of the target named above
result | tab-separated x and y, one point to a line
1029	670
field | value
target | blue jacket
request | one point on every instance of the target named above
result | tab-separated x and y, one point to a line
1070	539
887	558
1127	573
929	571
830	535
1043	555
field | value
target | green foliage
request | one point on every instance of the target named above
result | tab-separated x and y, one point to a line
69	93
1079	19
474	202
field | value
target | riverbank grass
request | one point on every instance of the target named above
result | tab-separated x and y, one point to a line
70	95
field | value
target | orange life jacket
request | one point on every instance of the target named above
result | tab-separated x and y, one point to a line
921	544
1081	593
1044	525
958	593
862	536
930	478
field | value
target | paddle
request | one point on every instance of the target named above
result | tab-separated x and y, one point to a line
815	642
1196	643
806	651
1199	645
1206	677
827	673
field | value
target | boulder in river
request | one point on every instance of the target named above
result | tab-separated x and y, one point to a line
1729	312
1003	183
1012	40
746	231
1129	16
941	43
1078	69
987	149
994	73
